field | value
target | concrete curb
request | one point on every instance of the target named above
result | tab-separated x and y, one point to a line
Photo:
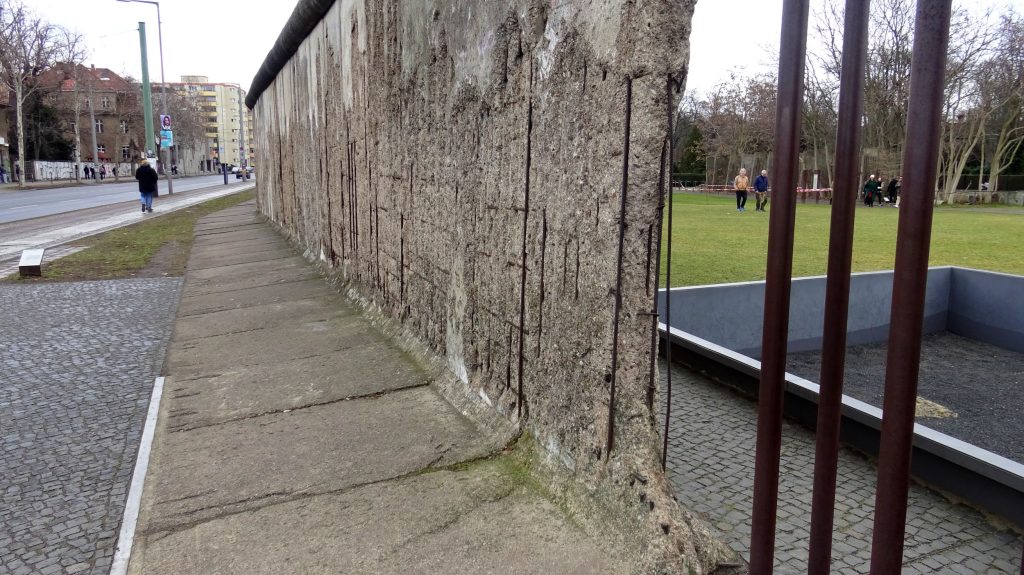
123	551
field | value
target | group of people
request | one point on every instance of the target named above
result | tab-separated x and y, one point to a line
741	183
873	191
91	172
5	178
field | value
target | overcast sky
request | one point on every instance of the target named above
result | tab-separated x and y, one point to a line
227	40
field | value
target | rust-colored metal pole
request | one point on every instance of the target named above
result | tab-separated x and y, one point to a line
837	290
778	280
920	157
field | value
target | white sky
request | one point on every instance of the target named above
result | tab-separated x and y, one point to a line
227	40
715	50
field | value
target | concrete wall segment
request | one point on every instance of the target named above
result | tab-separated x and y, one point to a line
460	164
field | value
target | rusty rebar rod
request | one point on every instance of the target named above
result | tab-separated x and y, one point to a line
668	286
910	278
618	267
837	290
778	280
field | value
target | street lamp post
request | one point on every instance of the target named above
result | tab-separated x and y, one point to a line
163	89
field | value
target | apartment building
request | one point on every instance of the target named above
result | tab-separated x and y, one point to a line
228	121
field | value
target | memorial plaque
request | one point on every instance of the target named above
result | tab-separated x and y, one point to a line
31	263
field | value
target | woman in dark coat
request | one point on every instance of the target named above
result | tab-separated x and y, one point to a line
147	178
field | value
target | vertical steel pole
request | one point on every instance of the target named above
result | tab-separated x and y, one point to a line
920	158
837	291
163	94
147	95
778	279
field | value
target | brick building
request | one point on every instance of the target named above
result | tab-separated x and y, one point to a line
115	104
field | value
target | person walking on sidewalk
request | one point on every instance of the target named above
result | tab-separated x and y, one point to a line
147	178
741	182
761	191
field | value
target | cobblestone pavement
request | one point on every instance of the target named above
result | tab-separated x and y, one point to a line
77	367
712	436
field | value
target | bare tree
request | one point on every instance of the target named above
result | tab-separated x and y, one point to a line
1003	93
965	111
28	46
70	53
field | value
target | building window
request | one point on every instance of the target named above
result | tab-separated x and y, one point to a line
105	102
99	126
126	153
124	126
101	150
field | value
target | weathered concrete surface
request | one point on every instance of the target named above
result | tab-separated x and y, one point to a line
295	438
463	166
472	522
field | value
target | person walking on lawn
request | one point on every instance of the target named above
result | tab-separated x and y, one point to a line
872	190
761	191
741	183
147	178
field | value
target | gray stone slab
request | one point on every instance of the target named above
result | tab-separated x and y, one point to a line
345	335
253	297
229	236
445	522
260	317
204	473
266	273
232	223
231	258
204	398
242	270
241	246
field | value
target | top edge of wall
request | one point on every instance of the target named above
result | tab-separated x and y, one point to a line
305	17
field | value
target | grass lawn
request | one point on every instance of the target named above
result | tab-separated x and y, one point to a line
156	247
713	243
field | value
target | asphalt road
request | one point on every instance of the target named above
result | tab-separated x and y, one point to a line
18	205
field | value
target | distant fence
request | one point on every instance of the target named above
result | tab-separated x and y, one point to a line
1007	182
53	171
817	195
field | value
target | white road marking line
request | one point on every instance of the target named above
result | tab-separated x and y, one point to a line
126	538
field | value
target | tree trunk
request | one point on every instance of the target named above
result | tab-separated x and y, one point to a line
19	97
78	134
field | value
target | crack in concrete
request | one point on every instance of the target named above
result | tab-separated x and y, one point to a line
261	304
313	278
459	516
367	396
282	498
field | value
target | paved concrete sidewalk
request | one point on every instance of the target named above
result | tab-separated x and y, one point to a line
295	438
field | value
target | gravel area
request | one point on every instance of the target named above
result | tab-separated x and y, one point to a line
981	383
77	365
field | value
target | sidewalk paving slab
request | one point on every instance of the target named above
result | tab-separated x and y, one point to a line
470	523
197	305
294	437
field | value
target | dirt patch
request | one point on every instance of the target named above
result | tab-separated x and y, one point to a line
168	261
